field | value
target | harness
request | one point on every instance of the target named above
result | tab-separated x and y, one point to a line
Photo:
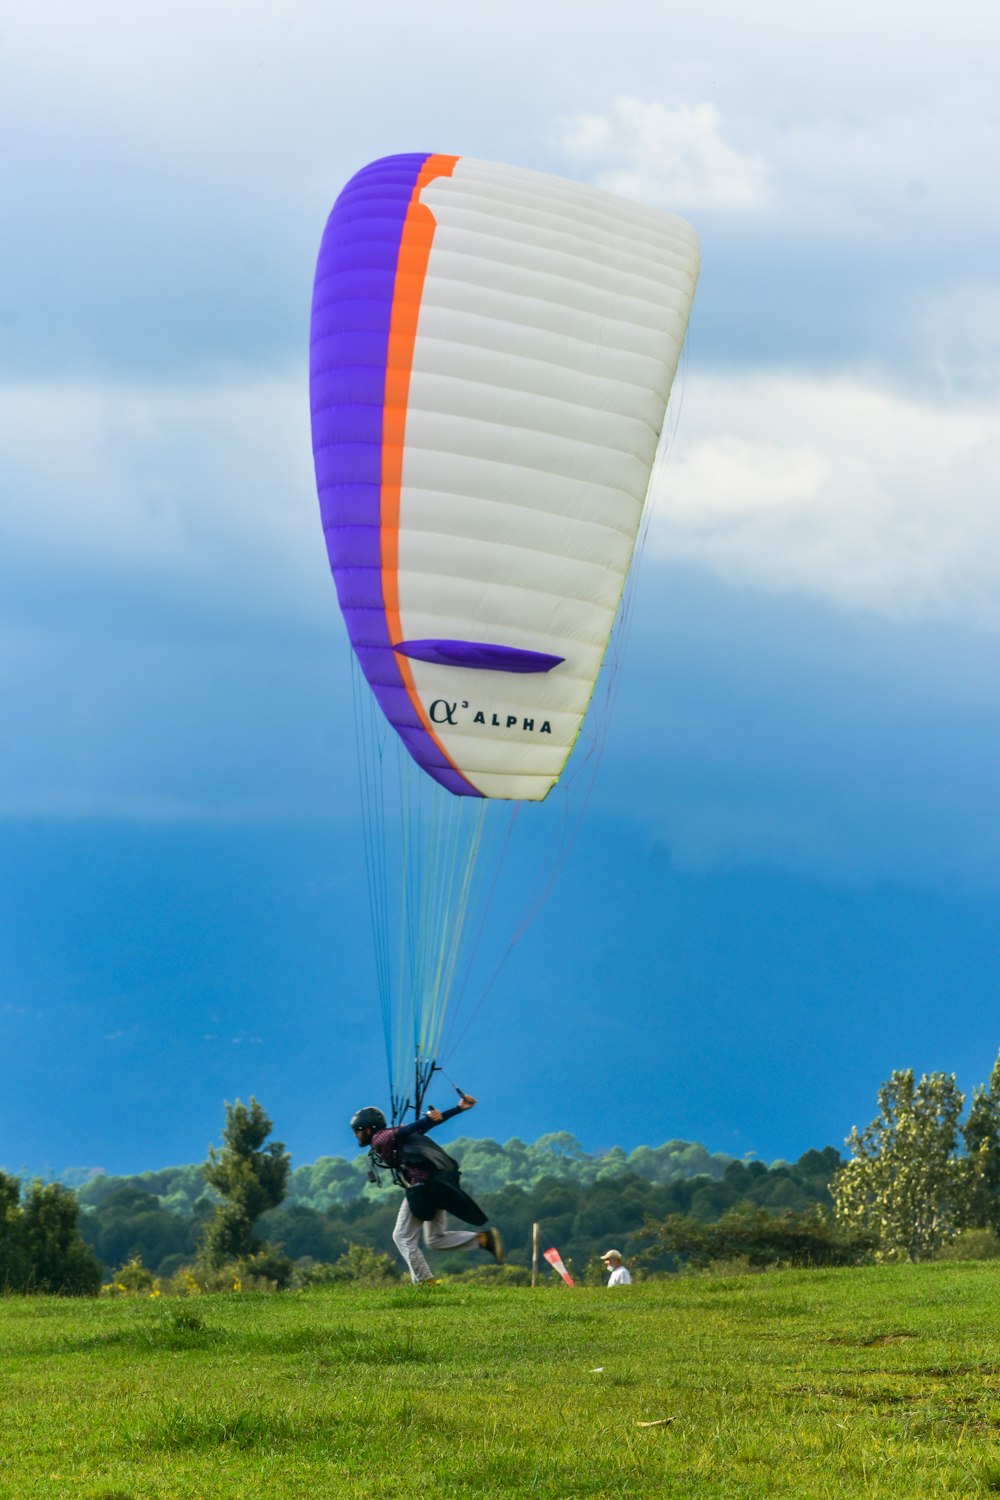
413	1150
441	1190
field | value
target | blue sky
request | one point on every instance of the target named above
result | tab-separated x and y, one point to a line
787	880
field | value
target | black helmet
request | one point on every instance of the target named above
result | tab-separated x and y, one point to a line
369	1116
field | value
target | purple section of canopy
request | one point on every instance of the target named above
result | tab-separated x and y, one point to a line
351	313
479	654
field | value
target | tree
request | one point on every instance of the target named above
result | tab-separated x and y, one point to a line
904	1183
40	1245
250	1180
980	1207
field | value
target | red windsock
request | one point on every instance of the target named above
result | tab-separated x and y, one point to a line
556	1261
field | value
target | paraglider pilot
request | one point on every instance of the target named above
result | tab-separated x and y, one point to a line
430	1180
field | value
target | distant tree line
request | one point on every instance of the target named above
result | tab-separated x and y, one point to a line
328	1206
336	1180
579	1202
920	1181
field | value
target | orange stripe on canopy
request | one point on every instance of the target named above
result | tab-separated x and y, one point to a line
408	290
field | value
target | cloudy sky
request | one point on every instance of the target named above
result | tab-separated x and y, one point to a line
787	879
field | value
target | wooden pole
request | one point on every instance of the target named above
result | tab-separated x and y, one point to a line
534	1253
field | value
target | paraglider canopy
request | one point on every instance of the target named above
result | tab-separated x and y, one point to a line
492	354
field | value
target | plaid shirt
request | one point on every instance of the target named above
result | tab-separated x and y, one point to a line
385	1145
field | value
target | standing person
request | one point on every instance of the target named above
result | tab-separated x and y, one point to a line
430	1180
619	1271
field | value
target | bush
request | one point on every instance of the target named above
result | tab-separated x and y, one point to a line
314	1273
360	1263
185	1282
749	1234
739	1265
169	1267
971	1244
133	1280
267	1270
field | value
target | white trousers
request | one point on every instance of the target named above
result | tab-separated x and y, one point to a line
437	1236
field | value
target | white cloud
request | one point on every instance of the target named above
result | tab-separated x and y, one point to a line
677	157
169	645
838	488
882	173
739	477
174	653
210	485
957	334
176	163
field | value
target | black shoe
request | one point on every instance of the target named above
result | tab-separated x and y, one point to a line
493	1242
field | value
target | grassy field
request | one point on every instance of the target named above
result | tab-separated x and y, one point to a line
876	1382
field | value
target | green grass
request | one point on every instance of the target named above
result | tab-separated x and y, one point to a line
876	1382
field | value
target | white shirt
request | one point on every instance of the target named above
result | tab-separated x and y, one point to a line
620	1277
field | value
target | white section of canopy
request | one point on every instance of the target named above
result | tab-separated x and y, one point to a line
550	329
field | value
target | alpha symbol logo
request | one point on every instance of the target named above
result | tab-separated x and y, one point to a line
457	712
